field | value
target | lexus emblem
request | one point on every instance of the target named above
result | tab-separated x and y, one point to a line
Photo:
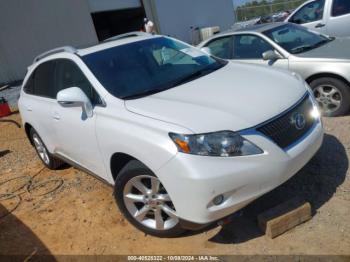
298	120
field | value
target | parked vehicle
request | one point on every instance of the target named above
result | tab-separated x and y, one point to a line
185	139
331	17
322	61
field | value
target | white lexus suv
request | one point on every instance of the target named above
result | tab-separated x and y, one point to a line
186	139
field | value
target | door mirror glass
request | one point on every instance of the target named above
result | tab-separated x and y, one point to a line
75	97
206	50
271	55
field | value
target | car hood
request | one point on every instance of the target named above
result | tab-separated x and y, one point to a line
338	49
235	97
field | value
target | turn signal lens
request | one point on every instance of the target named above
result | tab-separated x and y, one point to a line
183	145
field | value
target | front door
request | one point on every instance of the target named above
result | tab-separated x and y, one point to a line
76	133
245	48
311	15
249	48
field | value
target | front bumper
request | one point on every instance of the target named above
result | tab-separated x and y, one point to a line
193	181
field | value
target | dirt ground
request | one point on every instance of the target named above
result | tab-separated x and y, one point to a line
69	212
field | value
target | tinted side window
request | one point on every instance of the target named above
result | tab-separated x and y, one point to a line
309	13
249	47
29	86
340	7
44	80
221	47
69	75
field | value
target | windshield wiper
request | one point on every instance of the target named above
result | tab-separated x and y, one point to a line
321	43
194	75
301	49
304	48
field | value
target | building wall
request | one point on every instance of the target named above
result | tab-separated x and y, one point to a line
176	17
108	5
28	28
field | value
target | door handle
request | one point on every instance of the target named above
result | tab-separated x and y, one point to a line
320	25
29	109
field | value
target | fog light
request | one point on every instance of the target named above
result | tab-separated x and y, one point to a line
218	200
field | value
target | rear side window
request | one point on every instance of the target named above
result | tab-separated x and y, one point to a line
340	7
29	86
221	47
44	80
68	74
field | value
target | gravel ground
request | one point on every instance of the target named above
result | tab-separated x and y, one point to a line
68	212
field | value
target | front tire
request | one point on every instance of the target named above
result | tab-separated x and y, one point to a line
143	200
48	160
332	95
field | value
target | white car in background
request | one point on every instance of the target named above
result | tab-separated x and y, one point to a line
330	17
184	138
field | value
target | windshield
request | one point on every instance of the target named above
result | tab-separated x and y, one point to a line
296	39
150	66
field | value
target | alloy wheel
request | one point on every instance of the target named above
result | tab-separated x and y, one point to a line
328	97
149	204
40	148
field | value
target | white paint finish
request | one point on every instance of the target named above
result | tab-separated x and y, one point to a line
225	97
239	179
235	97
176	17
79	142
28	28
110	5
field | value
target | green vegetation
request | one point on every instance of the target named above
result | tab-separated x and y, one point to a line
262	8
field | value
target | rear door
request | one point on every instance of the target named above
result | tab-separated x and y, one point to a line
311	15
339	20
75	132
38	101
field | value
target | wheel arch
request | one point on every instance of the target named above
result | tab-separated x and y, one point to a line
27	128
331	75
119	160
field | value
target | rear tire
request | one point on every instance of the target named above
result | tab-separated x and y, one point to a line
48	160
145	212
332	95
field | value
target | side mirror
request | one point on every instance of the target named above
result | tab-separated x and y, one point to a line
271	55
206	50
75	97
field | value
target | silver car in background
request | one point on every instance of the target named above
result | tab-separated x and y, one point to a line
324	62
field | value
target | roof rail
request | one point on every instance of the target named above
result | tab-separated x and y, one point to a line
126	35
68	49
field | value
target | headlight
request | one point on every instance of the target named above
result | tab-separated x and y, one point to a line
223	144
